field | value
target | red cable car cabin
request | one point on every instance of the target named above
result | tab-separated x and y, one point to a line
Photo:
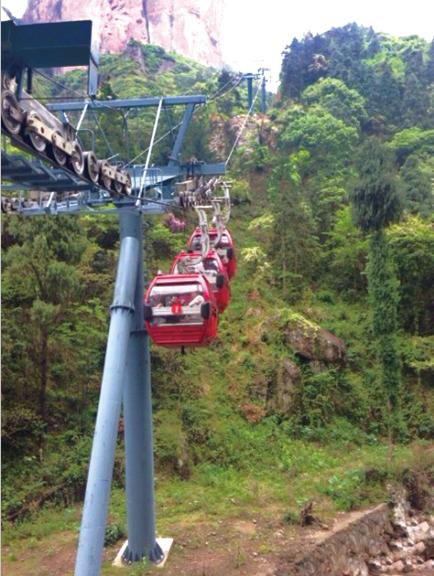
213	268
181	310
225	248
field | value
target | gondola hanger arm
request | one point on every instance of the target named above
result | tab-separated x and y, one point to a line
203	225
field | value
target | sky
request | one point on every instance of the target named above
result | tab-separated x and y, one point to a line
255	37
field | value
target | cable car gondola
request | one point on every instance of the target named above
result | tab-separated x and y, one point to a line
181	310
224	247
213	268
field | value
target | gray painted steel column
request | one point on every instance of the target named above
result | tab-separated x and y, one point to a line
138	435
100	474
263	97
249	79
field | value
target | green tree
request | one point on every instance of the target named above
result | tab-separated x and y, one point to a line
329	140
226	86
48	332
347	45
346	255
304	62
294	245
343	102
412	140
375	198
412	246
386	95
415	100
417	186
327	194
376	204
429	70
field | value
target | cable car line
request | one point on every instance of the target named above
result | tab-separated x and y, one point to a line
103	134
221	91
150	147
94	113
240	132
191	198
156	142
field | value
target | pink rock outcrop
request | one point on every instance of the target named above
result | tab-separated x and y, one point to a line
189	27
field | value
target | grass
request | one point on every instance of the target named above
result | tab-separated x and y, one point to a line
271	485
302	471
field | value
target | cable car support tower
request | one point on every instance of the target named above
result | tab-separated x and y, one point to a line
65	180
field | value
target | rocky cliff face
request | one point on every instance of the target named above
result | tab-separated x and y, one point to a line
189	27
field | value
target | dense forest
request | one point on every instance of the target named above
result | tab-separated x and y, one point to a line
326	353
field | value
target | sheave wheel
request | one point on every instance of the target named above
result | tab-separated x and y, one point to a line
128	186
56	152
77	159
91	166
10	112
105	181
35	139
117	186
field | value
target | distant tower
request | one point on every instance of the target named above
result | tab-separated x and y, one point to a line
249	77
259	76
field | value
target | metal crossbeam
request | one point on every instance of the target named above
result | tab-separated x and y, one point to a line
160	174
35	175
39	179
48	203
131	103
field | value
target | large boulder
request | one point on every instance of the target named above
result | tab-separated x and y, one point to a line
312	342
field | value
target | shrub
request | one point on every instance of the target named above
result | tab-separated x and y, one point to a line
113	533
345	489
22	430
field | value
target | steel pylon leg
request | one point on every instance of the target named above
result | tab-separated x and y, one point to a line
139	459
100	474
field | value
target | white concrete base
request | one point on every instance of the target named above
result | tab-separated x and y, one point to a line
118	560
164	543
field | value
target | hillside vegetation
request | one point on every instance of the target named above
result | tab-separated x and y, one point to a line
325	356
